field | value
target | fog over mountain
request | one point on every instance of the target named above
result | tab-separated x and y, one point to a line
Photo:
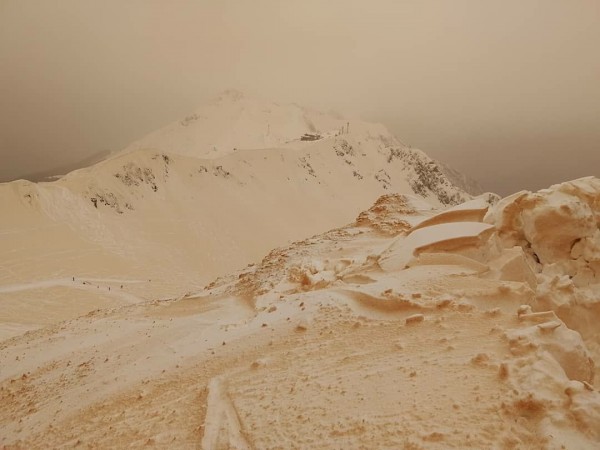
505	92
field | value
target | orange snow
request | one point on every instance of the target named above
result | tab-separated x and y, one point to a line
317	346
433	320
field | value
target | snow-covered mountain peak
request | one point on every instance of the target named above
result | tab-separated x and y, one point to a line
235	121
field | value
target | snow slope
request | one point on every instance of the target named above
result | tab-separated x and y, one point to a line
171	210
489	343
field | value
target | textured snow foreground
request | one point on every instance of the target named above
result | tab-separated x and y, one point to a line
469	327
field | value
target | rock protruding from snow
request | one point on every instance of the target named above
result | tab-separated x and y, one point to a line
426	175
392	214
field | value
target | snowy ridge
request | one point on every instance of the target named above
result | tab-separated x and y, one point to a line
219	210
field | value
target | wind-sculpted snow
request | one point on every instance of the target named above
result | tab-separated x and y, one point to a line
322	344
559	231
427	322
557	225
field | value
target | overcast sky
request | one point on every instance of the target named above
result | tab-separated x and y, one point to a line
507	91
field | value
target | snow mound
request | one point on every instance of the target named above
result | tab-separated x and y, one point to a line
445	236
392	214
556	225
558	231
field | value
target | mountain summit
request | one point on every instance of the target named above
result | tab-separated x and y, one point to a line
235	121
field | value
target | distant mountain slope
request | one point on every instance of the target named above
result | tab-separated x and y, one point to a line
173	209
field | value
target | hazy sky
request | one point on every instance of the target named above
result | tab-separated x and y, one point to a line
507	91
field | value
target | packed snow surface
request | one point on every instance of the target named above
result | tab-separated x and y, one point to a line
487	343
